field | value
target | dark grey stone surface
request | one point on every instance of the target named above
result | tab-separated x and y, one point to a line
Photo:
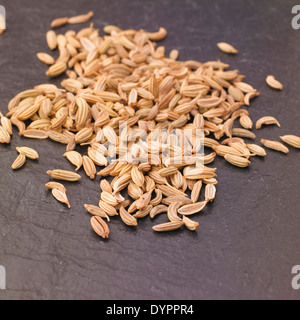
248	239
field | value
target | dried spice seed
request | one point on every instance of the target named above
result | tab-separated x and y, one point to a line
165	172
142	213
127	218
231	140
45	58
171	199
89	167
292	140
75	158
109	198
246	122
273	83
28	112
249	96
243	86
144	200
55	185
6	124
236	93
4	135
196	191
96	211
241	148
100	227
28	152
168	226
58	137
243	133
121	183
35	134
98	158
210	192
237	161
51	39
60	196
19	162
226	47
172	211
157	210
64	175
157	36
105	186
275	145
256	149
83	135
59	22
56	69
137	176
190	224
210	181
134	191
108	208
265	121
193	208
81	18
222	150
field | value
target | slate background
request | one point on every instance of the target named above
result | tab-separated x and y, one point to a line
248	239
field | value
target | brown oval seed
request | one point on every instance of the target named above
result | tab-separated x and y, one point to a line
100	227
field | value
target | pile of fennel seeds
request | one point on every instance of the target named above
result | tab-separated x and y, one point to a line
125	76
